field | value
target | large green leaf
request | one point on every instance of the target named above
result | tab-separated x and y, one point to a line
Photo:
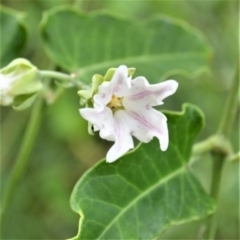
145	192
91	43
13	35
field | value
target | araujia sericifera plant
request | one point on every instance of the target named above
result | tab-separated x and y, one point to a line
154	188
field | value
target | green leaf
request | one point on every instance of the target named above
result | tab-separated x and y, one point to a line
88	44
145	192
13	35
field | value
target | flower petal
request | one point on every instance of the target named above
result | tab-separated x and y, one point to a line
146	124
120	82
149	95
119	86
101	120
103	97
123	139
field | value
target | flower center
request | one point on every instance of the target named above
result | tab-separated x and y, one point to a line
115	103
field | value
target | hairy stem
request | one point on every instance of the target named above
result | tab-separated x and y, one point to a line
22	158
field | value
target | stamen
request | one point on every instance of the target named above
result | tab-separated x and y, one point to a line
115	103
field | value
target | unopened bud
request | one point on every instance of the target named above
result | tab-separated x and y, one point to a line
19	81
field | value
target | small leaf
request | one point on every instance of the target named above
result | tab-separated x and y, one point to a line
88	44
145	192
13	35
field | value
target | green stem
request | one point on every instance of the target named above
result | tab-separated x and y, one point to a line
63	77
229	114
218	161
217	167
215	142
219	154
57	75
22	157
234	157
203	146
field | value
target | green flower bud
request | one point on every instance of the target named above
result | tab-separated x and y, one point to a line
87	94
19	83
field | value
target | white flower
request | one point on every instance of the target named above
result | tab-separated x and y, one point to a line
123	108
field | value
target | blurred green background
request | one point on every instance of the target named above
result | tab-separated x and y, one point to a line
64	150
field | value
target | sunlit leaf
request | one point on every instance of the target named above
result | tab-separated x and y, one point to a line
91	43
13	35
142	194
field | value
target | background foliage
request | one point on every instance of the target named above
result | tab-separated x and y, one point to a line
41	207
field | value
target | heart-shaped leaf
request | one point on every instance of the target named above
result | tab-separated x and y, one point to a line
90	43
142	194
13	35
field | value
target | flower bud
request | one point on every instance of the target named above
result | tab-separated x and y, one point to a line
87	94
19	82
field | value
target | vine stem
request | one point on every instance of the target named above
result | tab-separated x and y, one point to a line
66	78
203	146
22	157
219	154
230	109
218	162
57	75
